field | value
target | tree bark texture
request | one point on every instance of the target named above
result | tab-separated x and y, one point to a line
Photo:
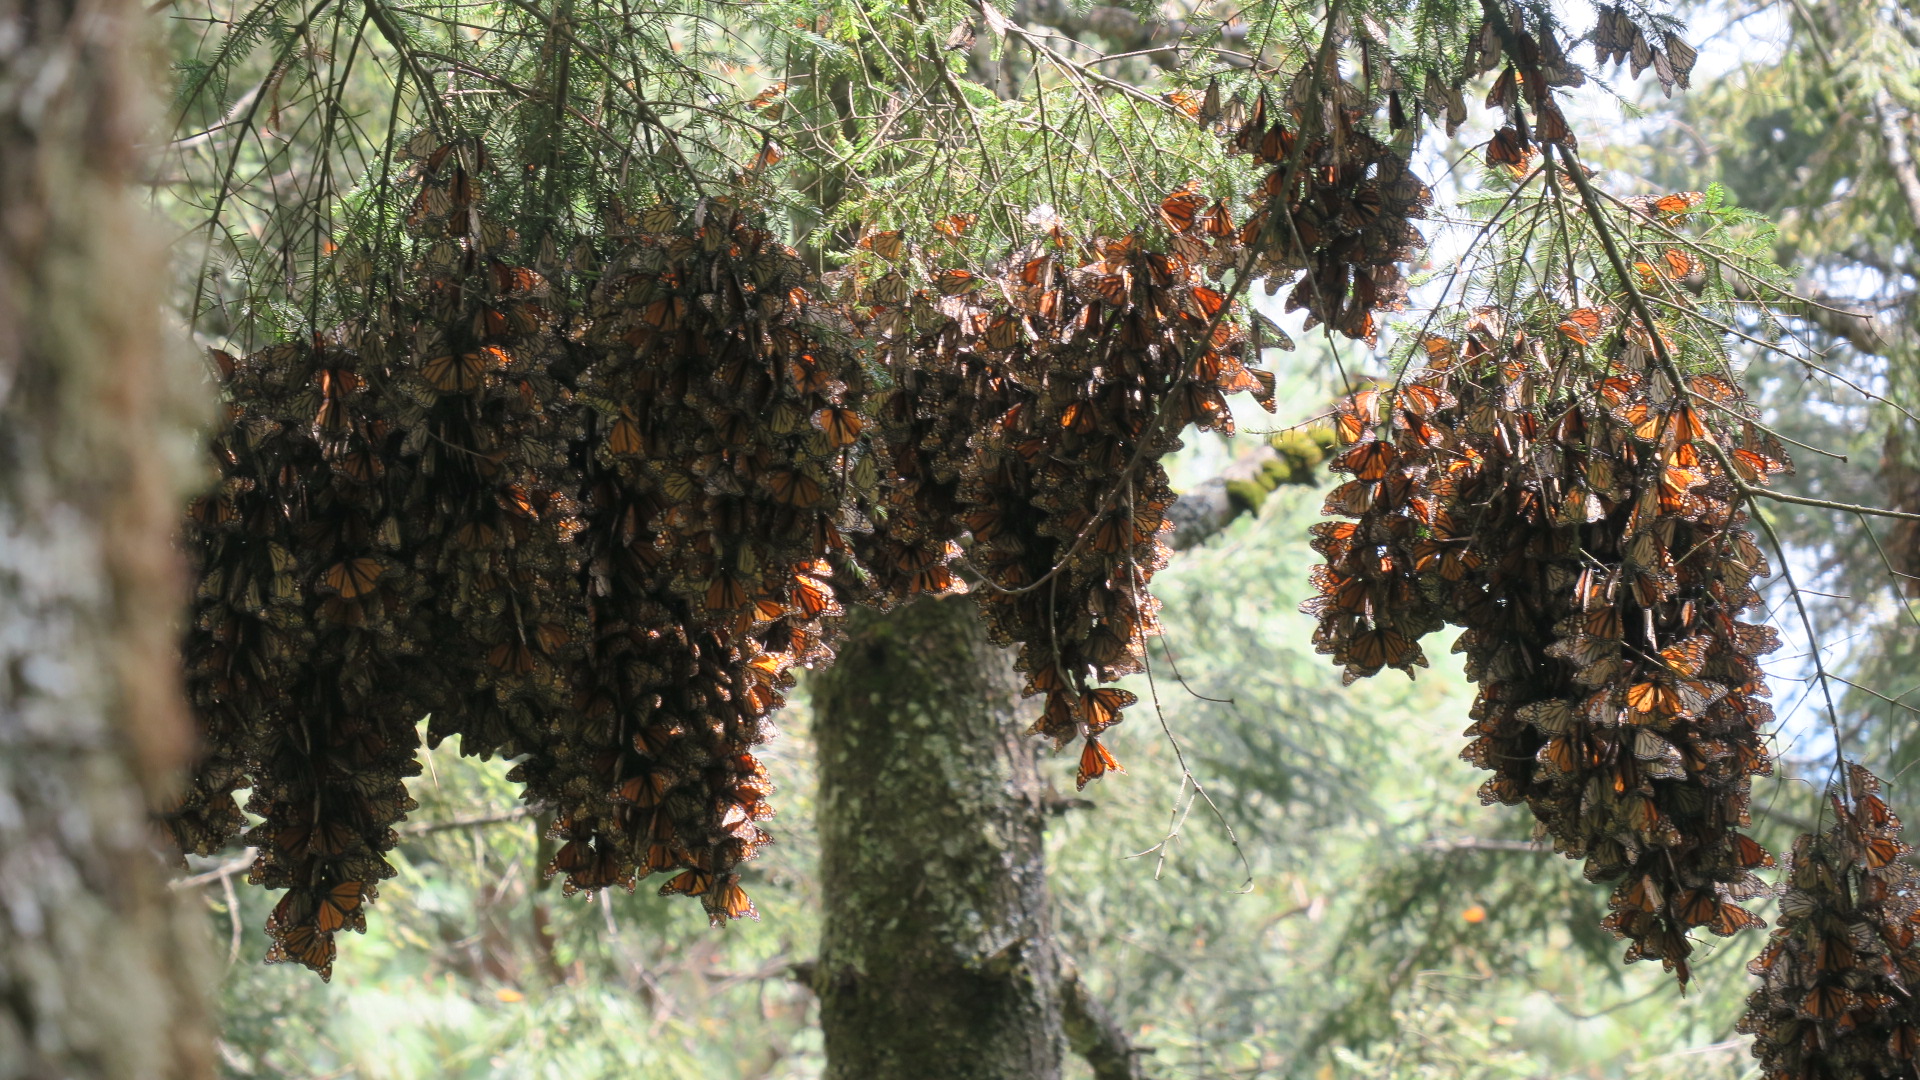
100	973
937	959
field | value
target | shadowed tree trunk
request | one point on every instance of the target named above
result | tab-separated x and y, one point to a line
99	972
937	960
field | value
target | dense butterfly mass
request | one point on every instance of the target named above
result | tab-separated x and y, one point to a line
590	509
1333	211
1576	525
1835	1000
1055	396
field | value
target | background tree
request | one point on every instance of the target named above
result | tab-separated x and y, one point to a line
99	970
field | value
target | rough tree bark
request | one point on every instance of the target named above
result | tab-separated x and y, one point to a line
98	970
937	959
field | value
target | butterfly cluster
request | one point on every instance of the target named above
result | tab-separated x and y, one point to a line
305	619
1836	979
1031	410
592	512
723	431
1333	211
1617	38
1580	529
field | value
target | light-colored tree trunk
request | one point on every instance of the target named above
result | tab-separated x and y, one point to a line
100	972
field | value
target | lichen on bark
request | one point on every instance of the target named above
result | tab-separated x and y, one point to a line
937	959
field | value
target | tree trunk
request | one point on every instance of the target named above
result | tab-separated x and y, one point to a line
937	960
99	972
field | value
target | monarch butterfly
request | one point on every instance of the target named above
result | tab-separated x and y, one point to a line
1686	658
808	377
1881	851
725	593
340	906
1276	145
1827	1002
1583	326
1508	149
1755	467
329	840
1003	333
508	278
764	98
1352	499
1730	918
1550	125
887	244
1211	108
794	488
841	425
1653	697
665	314
1036	272
1679	263
1096	761
1184	102
1714	388
1263	388
354	577
512	657
811	599
1180	209
1679	203
1551	717
1247	139
454	373
660	218
307	945
1368	460
1100	707
1383	647
624	438
1748	853
689	882
1217	222
955	225
730	902
1675	482
768	157
1355	415
1560	755
1876	811
955	282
